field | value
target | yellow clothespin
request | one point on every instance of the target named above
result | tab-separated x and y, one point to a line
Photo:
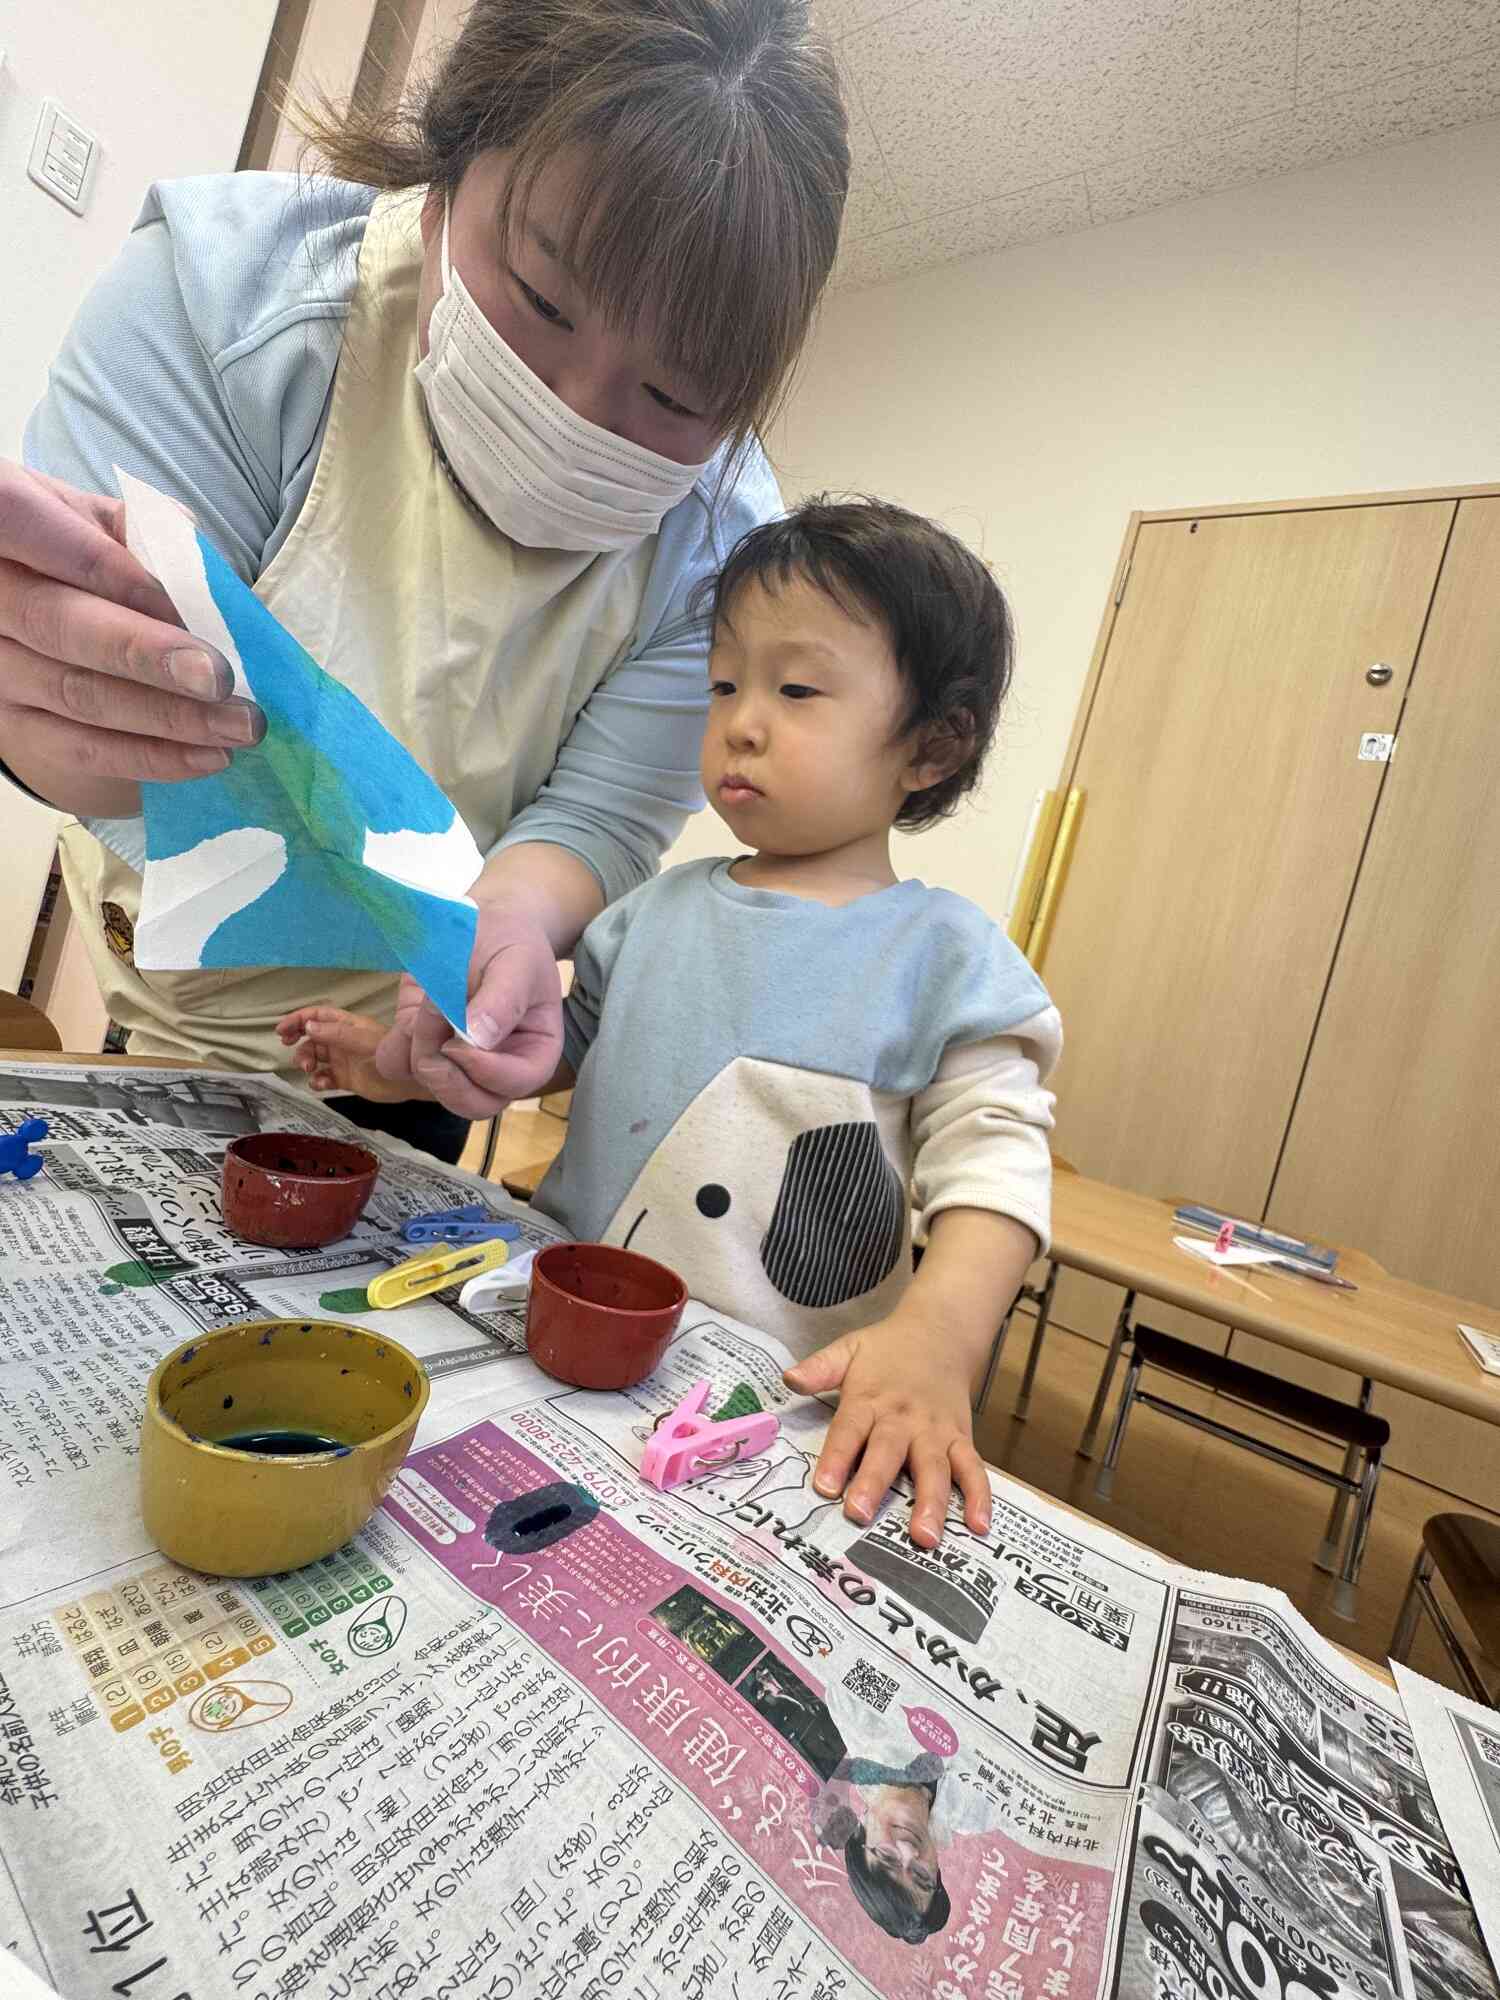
420	1275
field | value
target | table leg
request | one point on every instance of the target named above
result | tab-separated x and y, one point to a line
1039	1334
1101	1394
1354	1555
1327	1557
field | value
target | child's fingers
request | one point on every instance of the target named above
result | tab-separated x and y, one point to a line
933	1478
971	1479
884	1455
842	1446
824	1370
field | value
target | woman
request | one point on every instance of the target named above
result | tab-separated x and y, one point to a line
474	413
893	1808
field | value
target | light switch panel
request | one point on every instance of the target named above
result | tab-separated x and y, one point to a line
63	157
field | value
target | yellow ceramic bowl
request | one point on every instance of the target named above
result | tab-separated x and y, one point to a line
234	1512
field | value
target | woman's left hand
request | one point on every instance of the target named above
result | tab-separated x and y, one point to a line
902	1401
515	1017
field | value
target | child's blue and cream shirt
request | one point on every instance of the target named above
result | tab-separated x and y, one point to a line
775	1097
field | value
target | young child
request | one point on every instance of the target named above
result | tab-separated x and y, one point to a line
788	1067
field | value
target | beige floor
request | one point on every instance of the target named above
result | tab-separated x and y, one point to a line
1193	1497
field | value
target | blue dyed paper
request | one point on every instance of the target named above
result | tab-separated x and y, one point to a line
327	844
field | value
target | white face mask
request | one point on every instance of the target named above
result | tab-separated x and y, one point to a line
545	476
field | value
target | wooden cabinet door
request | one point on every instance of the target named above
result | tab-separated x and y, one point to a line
1226	807
1395	1142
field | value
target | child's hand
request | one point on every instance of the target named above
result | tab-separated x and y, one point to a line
336	1051
902	1401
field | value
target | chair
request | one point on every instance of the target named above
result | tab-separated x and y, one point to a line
1352	1263
1354	1425
23	1026
521	1183
1465	1553
1039	1296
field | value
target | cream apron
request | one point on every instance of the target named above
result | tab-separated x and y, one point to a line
475	652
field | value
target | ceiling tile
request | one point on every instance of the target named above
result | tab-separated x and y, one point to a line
873	204
968	97
1035	212
1385	113
842	17
1343	44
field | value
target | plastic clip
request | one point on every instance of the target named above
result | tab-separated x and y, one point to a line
686	1444
420	1275
473	1223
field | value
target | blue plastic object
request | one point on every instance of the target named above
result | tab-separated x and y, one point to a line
16	1156
473	1223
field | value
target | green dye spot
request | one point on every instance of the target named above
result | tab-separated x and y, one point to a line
352	1299
141	1276
742	1402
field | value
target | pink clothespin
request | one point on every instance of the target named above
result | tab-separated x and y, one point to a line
1224	1239
687	1443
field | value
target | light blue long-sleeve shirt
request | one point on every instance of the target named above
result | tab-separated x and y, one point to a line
203	359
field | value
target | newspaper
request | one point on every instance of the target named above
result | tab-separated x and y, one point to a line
1459	1741
543	1731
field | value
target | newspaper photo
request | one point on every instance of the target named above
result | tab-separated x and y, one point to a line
1459	1742
1288	1841
543	1730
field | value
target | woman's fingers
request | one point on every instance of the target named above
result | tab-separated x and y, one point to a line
88	753
75	538
131	701
77	629
100	687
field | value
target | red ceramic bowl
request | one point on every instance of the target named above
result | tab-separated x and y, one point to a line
600	1317
292	1191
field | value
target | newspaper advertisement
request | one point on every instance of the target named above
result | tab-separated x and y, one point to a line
1288	1841
1459	1741
544	1731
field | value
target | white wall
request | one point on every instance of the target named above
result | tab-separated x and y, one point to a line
1336	331
168	98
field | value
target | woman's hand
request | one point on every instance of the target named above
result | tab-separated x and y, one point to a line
100	687
903	1401
515	1017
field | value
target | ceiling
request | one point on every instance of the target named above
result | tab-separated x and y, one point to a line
981	123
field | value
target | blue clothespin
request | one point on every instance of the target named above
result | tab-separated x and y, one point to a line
473	1223
16	1156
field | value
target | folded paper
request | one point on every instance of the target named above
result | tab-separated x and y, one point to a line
327	844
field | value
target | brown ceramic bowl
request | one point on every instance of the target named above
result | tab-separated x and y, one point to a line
600	1317
211	1503
292	1191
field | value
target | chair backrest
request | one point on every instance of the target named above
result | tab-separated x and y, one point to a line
23	1026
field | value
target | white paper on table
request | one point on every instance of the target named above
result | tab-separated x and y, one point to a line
1237	1253
1485	1347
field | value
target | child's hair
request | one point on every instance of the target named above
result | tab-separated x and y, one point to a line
713	161
948	622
